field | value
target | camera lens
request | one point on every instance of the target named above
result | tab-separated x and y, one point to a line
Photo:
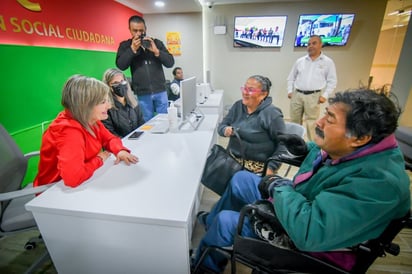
146	44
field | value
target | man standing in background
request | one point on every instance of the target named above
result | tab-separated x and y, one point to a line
310	75
146	57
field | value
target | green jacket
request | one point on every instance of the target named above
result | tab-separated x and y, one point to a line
345	203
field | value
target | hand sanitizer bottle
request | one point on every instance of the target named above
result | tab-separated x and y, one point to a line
172	116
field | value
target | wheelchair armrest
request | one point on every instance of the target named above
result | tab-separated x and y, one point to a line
290	159
286	158
262	211
243	213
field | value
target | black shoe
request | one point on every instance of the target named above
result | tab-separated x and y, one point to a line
201	217
202	270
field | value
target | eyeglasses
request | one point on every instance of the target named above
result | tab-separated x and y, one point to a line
250	90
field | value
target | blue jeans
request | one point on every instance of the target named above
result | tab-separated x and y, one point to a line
151	103
221	223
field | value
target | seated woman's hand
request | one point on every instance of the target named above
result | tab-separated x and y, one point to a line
126	157
228	131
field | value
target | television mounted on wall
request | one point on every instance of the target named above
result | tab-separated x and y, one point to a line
259	31
334	29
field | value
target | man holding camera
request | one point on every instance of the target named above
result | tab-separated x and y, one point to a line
146	57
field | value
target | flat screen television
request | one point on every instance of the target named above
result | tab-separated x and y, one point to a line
259	31
333	28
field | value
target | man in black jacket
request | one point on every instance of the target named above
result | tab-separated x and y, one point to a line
146	57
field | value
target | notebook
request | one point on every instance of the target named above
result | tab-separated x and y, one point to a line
160	127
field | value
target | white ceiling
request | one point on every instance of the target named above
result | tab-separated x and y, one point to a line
171	6
179	6
184	6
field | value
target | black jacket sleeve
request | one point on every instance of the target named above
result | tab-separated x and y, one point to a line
165	57
125	55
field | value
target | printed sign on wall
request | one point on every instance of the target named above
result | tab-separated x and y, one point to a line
173	43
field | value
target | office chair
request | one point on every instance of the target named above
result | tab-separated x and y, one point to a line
293	128
45	125
170	95
13	216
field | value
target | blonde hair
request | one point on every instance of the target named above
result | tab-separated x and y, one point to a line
80	95
108	76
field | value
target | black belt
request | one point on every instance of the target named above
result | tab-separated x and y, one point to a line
306	92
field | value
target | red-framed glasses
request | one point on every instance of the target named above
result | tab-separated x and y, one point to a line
250	90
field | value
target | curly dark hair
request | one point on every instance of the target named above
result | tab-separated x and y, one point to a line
175	70
264	81
369	112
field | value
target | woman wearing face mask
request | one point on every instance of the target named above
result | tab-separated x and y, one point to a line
125	115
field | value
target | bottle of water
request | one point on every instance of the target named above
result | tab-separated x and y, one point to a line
172	116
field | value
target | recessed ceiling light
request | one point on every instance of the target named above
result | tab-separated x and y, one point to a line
393	13
159	4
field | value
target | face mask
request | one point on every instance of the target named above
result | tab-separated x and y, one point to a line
120	89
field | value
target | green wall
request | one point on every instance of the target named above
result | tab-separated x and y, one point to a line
33	78
31	84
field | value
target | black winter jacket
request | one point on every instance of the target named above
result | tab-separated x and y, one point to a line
146	69
123	119
258	131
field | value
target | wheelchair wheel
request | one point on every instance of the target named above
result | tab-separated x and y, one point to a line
30	245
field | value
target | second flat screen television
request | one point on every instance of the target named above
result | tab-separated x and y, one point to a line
333	28
259	31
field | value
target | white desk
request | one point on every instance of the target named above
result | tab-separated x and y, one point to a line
213	104
129	219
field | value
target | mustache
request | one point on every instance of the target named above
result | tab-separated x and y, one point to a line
319	132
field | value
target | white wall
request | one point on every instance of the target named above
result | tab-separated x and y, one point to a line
231	66
190	27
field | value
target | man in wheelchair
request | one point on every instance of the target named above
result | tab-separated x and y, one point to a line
349	187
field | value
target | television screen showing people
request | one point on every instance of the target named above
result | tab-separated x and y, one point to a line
259	31
334	29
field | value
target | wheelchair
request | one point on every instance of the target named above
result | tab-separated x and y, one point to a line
264	258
